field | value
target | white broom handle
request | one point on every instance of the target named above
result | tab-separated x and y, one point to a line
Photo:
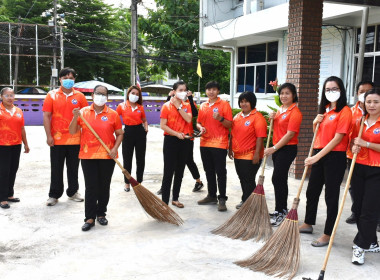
267	146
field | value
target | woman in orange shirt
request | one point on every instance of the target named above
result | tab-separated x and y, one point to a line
135	130
97	163
366	178
12	133
286	127
329	157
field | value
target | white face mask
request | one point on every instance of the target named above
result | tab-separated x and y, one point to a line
133	98
181	95
100	100
332	96
361	98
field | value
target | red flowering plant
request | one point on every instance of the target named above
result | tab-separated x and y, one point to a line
276	88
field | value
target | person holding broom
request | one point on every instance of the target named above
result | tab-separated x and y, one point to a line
175	119
366	177
12	134
97	163
329	157
286	126
135	130
246	147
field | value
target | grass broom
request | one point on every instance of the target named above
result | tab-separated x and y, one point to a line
280	255
252	219
152	205
321	275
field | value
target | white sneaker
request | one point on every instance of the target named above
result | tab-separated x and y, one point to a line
76	197
374	248
278	218
273	214
51	201
358	256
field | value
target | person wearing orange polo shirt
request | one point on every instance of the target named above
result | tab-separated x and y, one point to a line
366	177
135	130
249	128
57	114
12	134
214	122
286	126
357	113
97	163
175	118
329	157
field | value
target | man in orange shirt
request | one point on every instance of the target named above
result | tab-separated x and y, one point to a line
214	121
57	108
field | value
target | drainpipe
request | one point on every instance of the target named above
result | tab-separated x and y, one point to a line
231	50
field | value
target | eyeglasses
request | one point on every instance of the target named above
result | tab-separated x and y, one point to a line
100	93
331	89
8	95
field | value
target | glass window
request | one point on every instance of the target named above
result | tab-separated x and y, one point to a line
241	55
272	51
271	76
370	39
249	80
378	39
376	77
260	79
256	53
241	74
367	69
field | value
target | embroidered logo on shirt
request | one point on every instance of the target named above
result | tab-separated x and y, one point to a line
284	116
376	131
215	110
74	101
185	110
247	123
138	111
332	117
104	118
18	115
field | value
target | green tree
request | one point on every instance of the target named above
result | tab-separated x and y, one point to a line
172	33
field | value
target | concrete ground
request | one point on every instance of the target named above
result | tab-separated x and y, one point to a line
40	242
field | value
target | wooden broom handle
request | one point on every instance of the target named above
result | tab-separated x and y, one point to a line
267	146
348	182
126	173
307	167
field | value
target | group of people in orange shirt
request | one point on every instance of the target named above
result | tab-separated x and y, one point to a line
240	137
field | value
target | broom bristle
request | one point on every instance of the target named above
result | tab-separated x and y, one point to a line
154	206
251	220
280	255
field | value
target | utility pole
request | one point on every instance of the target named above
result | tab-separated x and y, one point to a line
54	70
62	49
133	41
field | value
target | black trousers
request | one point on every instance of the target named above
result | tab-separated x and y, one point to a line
97	177
175	157
366	186
134	140
282	159
246	172
9	161
214	164
328	171
191	164
58	155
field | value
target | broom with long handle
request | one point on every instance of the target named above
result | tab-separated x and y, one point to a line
348	182
154	206
252	219
280	255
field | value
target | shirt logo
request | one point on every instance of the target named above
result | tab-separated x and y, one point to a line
284	116
376	131
215	110
332	117
104	118
247	123
18	115
138	111
185	110
74	101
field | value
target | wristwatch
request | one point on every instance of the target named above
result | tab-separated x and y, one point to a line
180	107
222	119
274	147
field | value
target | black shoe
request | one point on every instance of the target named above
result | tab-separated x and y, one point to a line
222	205
351	219
5	206
378	228
88	226
159	192
198	186
15	199
103	221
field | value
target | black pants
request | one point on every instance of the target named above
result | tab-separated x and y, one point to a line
134	140
246	172
328	171
9	161
282	159
58	154
97	177
190	162
366	186
175	157
214	164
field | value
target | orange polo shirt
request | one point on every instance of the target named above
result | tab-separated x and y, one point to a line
173	117
10	126
245	131
131	117
105	124
334	122
61	107
357	114
290	120
216	135
370	134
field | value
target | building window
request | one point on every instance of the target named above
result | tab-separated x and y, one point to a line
257	66
371	64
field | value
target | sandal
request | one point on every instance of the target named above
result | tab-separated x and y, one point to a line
178	204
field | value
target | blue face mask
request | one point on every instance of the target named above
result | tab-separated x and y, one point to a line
67	83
